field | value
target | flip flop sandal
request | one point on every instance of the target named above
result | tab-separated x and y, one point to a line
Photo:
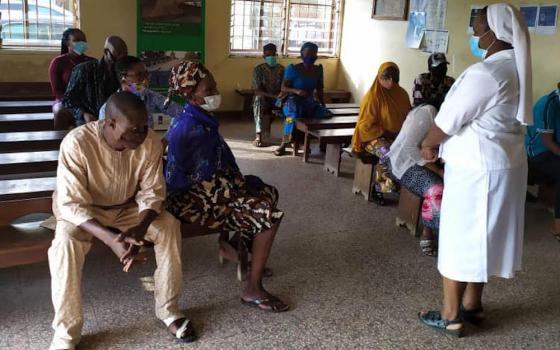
258	143
474	317
270	304
428	247
555	235
185	333
433	320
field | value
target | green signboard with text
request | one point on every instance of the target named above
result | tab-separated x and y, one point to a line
169	31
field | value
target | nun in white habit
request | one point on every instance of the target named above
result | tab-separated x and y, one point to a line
479	127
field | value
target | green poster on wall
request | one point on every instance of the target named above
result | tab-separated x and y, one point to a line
169	31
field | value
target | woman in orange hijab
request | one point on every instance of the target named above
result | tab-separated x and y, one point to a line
382	114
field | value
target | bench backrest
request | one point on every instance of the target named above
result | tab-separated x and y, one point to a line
27	188
345	111
23	91
19	122
342	105
12	107
25	117
31	141
28	162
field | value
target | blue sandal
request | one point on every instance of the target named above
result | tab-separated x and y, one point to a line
433	320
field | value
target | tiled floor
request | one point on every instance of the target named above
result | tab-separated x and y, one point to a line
353	279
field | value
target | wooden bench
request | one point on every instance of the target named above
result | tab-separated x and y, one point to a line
26	91
11	107
306	125
342	105
408	215
26	122
337	96
330	96
363	176
28	243
345	111
247	95
334	139
28	162
31	141
21	189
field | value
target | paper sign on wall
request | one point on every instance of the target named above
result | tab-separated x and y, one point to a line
436	41
435	11
530	13
415	30
547	19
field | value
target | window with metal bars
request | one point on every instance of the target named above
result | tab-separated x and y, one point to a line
286	23
36	23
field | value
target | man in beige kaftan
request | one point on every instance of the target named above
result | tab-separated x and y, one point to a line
110	177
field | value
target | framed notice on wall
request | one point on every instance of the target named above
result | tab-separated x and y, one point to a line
395	10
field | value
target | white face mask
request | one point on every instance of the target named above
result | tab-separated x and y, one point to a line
212	103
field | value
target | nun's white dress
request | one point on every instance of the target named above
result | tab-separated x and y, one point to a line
483	205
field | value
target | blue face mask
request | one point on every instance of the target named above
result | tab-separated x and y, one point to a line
271	60
80	47
475	48
309	60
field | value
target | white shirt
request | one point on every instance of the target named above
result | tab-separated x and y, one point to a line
405	150
479	113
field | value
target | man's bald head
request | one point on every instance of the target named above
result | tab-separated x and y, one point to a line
126	125
116	47
125	104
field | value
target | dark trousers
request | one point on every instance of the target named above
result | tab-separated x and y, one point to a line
547	165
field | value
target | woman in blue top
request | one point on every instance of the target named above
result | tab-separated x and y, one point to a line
205	186
300	83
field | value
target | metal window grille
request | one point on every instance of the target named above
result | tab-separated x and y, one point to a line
36	23
286	23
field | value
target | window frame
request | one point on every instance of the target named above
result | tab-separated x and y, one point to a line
40	45
283	51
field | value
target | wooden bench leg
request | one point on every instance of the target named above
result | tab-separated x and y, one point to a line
332	158
243	256
363	179
295	149
408	215
306	147
248	107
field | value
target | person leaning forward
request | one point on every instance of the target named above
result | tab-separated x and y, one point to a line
110	175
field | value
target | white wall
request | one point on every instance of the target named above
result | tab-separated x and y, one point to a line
366	43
